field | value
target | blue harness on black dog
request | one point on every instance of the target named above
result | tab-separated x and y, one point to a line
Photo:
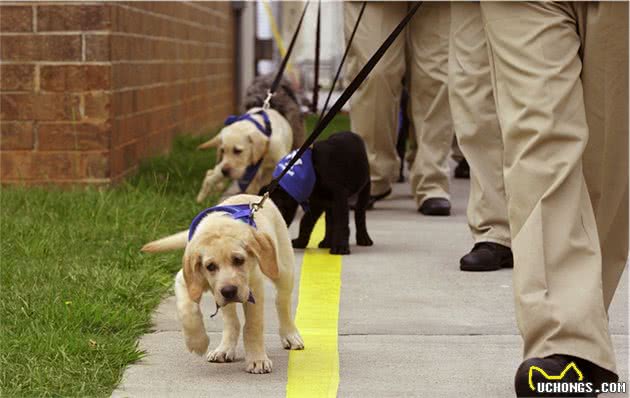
251	170
299	181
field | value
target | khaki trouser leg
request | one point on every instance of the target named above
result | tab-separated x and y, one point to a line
536	70
427	36
476	125
605	80
410	154
374	106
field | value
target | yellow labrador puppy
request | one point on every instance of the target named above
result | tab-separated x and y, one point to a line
249	148
230	258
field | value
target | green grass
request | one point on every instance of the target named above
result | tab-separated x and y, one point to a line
341	122
76	293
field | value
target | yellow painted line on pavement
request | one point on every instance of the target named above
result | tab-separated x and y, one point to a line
314	372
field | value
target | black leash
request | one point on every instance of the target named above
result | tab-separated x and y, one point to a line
352	87
343	60
285	60
316	65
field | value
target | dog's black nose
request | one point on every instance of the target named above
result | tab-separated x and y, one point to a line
229	292
225	171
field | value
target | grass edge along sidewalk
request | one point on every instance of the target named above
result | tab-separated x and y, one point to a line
76	291
76	294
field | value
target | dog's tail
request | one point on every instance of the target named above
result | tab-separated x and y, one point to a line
173	242
214	142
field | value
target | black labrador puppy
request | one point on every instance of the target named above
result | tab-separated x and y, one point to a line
341	171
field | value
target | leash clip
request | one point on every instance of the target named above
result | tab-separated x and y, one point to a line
267	103
257	206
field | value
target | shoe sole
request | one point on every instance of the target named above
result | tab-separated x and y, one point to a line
437	213
382	195
477	269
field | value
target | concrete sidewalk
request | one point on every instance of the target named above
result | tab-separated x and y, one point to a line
410	323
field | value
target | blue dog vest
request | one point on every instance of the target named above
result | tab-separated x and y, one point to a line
299	181
251	170
237	212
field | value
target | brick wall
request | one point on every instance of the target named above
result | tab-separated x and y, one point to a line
88	90
172	70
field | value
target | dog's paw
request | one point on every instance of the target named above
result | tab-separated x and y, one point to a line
299	243
364	240
292	341
222	354
340	249
197	343
324	244
259	365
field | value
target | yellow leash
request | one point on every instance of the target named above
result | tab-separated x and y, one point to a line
314	372
276	33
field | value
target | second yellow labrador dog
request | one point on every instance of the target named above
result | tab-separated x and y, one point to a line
249	148
228	256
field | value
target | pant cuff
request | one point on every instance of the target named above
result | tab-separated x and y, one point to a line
379	189
500	241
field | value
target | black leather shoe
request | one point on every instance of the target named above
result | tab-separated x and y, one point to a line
487	256
529	375
375	198
462	170
436	207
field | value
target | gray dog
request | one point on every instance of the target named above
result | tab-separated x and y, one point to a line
284	101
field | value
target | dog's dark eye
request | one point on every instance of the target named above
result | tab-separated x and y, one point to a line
237	151
238	260
211	267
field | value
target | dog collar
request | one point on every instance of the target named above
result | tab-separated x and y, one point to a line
238	212
248	176
266	129
299	181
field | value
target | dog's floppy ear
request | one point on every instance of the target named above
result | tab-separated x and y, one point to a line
264	250
260	143
195	282
215	142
